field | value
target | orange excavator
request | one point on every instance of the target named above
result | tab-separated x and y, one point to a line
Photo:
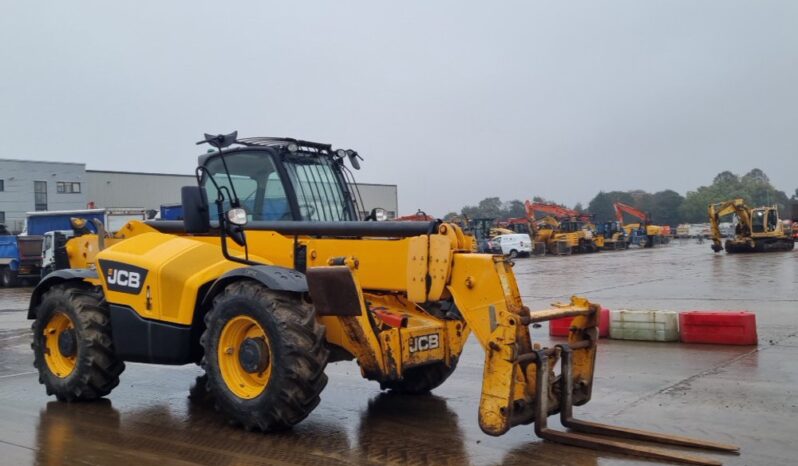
561	230
654	234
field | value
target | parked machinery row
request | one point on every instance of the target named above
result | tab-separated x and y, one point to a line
557	230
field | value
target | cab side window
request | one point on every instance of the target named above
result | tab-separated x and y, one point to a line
275	202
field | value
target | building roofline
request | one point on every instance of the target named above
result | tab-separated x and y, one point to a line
42	161
117	172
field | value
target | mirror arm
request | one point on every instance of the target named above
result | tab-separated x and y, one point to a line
223	233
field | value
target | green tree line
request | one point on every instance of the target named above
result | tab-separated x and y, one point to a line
664	207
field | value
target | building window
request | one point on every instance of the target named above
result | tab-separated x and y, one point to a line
2	217
40	195
67	187
2	185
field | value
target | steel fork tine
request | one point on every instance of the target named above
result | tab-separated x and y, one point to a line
614	446
589	441
567	419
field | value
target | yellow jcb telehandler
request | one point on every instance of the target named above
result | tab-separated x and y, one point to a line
272	275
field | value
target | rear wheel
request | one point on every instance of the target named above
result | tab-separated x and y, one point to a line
72	345
513	254
421	379
264	356
8	278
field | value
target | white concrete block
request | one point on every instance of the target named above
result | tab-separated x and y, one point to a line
644	325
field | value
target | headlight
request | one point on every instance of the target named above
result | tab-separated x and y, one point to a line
237	216
379	214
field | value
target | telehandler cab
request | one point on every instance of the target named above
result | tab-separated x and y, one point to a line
277	276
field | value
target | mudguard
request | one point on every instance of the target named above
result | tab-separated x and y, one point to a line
55	278
271	276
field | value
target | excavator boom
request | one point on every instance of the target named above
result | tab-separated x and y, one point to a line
722	209
621	208
653	233
558	211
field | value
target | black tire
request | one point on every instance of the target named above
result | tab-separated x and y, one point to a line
9	278
97	368
297	342
513	254
421	379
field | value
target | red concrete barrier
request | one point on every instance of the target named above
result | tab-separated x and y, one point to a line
722	328
561	327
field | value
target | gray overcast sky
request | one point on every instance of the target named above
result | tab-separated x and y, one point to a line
453	101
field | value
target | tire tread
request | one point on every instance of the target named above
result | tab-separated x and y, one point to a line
304	359
99	371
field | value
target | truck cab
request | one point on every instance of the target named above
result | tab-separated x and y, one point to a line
54	255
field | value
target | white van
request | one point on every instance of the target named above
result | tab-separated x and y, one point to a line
514	245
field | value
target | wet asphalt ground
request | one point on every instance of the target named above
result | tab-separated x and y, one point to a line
742	395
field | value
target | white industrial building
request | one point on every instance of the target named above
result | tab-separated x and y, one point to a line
28	186
135	189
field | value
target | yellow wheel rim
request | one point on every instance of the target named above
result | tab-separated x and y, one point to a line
59	364
240	334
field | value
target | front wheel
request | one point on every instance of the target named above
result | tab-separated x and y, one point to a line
72	345
264	356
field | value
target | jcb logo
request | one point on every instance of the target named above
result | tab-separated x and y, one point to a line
124	278
424	342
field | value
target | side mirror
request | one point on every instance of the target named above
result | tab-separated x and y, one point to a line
195	209
353	156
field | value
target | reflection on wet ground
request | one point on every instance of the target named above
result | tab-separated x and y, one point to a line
741	395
